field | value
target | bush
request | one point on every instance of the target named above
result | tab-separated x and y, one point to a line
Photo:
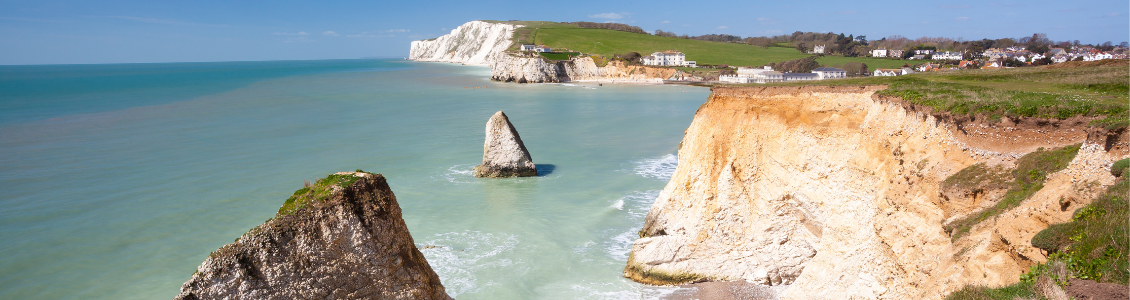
1120	166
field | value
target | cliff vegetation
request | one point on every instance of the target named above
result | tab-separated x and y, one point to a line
1097	90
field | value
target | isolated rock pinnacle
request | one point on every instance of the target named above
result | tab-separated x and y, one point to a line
504	154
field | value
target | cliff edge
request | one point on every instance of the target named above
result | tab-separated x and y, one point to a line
341	238
839	195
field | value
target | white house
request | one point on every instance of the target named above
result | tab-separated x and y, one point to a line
890	72
668	58
829	73
527	47
895	53
1098	56
748	75
923	52
881	52
542	48
799	76
818	49
948	55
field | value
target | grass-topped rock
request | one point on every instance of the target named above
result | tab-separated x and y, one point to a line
342	237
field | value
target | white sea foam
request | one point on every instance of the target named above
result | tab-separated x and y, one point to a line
624	290
617	244
457	257
657	168
619	205
458	174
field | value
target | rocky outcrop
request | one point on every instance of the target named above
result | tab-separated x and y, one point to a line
510	68
504	154
838	195
474	43
342	238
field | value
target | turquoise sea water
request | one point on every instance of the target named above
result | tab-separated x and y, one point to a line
120	179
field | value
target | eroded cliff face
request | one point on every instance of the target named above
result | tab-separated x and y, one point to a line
343	238
474	43
838	195
536	69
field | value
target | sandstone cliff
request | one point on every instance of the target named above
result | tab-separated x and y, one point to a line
838	195
474	43
342	238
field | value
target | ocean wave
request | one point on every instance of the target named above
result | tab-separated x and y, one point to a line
657	168
458	174
457	257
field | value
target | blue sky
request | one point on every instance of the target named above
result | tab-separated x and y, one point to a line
112	31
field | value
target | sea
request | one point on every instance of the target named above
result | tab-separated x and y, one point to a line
119	179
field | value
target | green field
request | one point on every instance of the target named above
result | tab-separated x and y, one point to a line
605	42
872	63
1100	89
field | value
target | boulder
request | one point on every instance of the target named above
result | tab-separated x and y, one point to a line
504	154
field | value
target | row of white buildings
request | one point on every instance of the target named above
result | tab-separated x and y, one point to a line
767	75
668	58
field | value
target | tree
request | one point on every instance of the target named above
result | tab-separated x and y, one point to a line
801	47
863	70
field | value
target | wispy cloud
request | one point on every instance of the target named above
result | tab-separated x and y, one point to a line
962	18
664	22
1005	5
330	33
958	6
159	21
1113	15
766	21
397	30
848	12
613	16
288	33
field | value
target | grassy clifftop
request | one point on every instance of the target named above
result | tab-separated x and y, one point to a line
1100	89
605	42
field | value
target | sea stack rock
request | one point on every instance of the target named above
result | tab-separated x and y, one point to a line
504	154
341	238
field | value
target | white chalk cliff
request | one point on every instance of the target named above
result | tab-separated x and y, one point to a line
482	43
475	43
837	194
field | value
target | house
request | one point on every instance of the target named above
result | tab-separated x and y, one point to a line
928	67
948	55
818	49
966	64
542	48
1061	58
881	52
668	58
753	75
919	56
1056	51
923	52
800	77
829	73
895	53
991	65
527	47
888	72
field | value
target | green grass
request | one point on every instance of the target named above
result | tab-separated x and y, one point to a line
1031	171
979	176
1102	92
872	63
607	43
1022	290
1096	242
319	191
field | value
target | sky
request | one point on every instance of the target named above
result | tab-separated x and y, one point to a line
115	31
